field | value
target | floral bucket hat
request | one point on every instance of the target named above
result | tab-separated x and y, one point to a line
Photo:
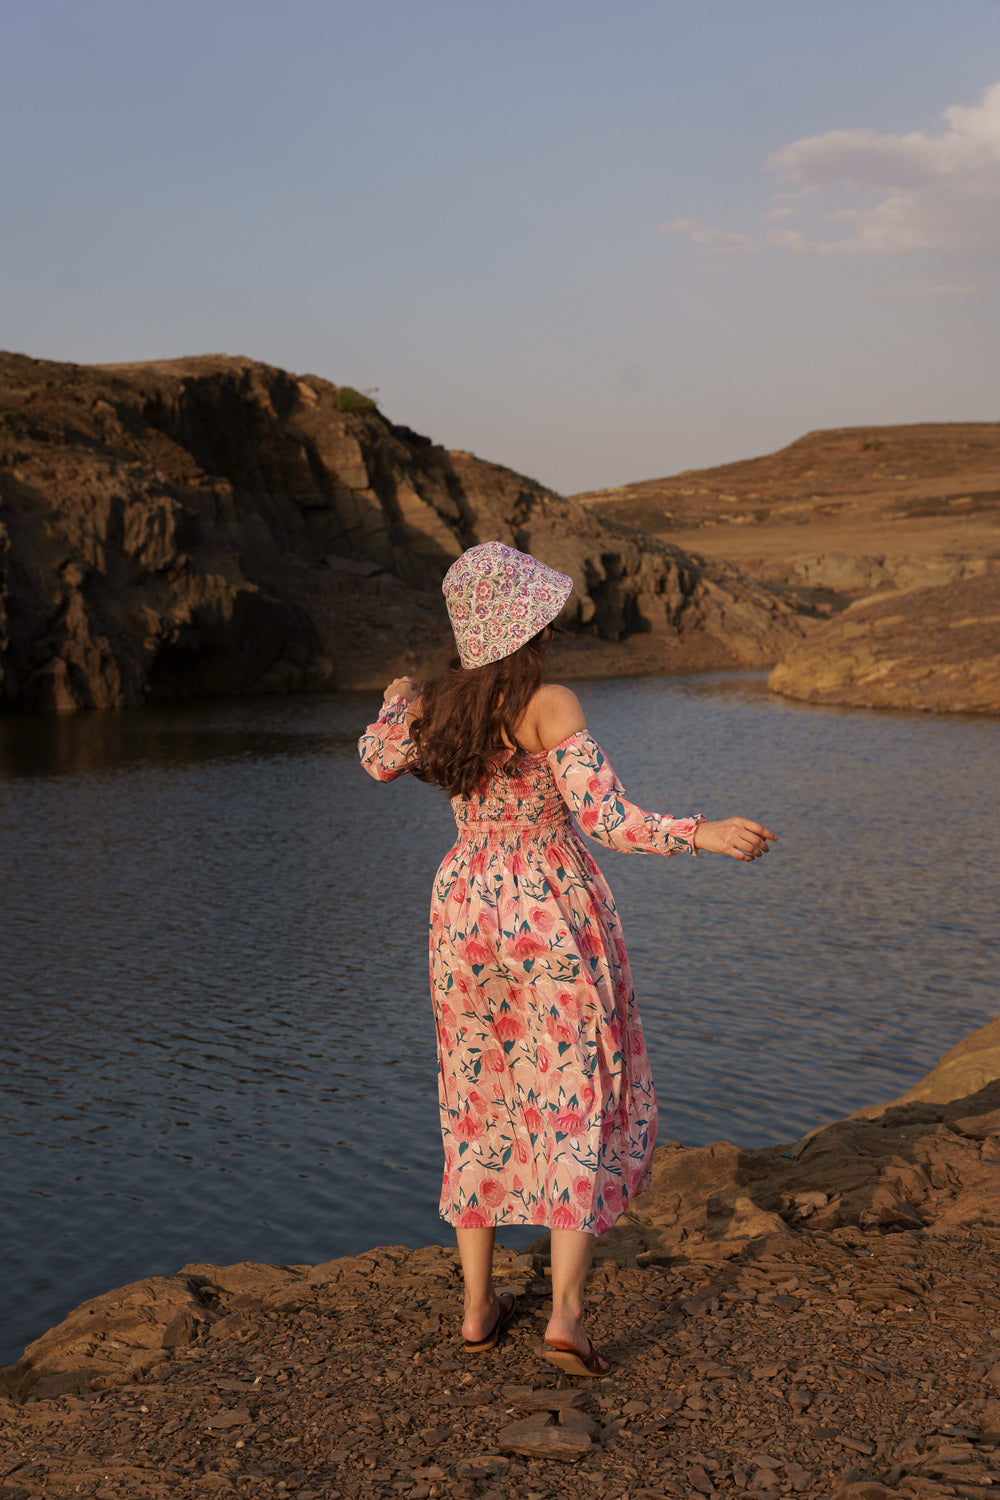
498	598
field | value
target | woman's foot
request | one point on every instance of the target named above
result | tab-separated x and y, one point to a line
568	1344
567	1333
481	1328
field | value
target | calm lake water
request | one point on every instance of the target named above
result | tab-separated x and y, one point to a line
217	1042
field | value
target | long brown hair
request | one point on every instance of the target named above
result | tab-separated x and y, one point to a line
468	718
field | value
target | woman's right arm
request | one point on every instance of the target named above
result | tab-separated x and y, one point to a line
386	748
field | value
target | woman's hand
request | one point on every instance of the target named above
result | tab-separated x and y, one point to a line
401	687
738	837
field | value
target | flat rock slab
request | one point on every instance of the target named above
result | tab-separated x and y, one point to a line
542	1440
525	1399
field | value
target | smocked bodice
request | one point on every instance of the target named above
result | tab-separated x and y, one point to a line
527	802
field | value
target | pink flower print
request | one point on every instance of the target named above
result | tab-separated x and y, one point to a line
509	1027
472	1218
564	1216
541	919
521	1149
568	1122
478	1102
533	1119
476	952
458	891
518	865
589	818
448	1016
492	1191
554	890
463	983
525	946
582	1191
494	1061
586	1095
569	1004
467	1127
538	1213
638	1047
558	1029
544	1059
518	1184
486	920
590	944
612	1195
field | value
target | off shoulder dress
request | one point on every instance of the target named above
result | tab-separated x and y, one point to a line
548	1112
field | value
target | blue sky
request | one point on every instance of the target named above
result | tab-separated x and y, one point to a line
596	242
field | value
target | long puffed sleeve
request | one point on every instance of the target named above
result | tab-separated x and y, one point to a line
385	747
596	797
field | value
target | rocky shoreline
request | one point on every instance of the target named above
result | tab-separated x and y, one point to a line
821	1319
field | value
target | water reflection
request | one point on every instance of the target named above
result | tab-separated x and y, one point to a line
214	986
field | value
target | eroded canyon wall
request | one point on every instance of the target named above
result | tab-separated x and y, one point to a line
215	525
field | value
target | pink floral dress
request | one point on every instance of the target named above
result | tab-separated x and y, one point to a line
548	1112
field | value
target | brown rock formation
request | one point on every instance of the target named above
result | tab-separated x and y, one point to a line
817	1321
215	525
838	514
935	649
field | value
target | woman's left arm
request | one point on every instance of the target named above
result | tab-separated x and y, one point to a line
590	787
596	797
386	748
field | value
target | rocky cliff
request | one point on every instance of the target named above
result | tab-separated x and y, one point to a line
216	525
815	1320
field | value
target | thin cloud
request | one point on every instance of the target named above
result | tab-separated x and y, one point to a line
895	194
923	290
714	241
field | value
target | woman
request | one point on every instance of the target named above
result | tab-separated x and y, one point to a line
547	1106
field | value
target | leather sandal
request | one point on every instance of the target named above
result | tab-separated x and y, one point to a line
508	1307
593	1364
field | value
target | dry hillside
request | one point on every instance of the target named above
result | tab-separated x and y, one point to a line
848	511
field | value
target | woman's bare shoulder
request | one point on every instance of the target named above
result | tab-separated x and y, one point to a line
557	714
